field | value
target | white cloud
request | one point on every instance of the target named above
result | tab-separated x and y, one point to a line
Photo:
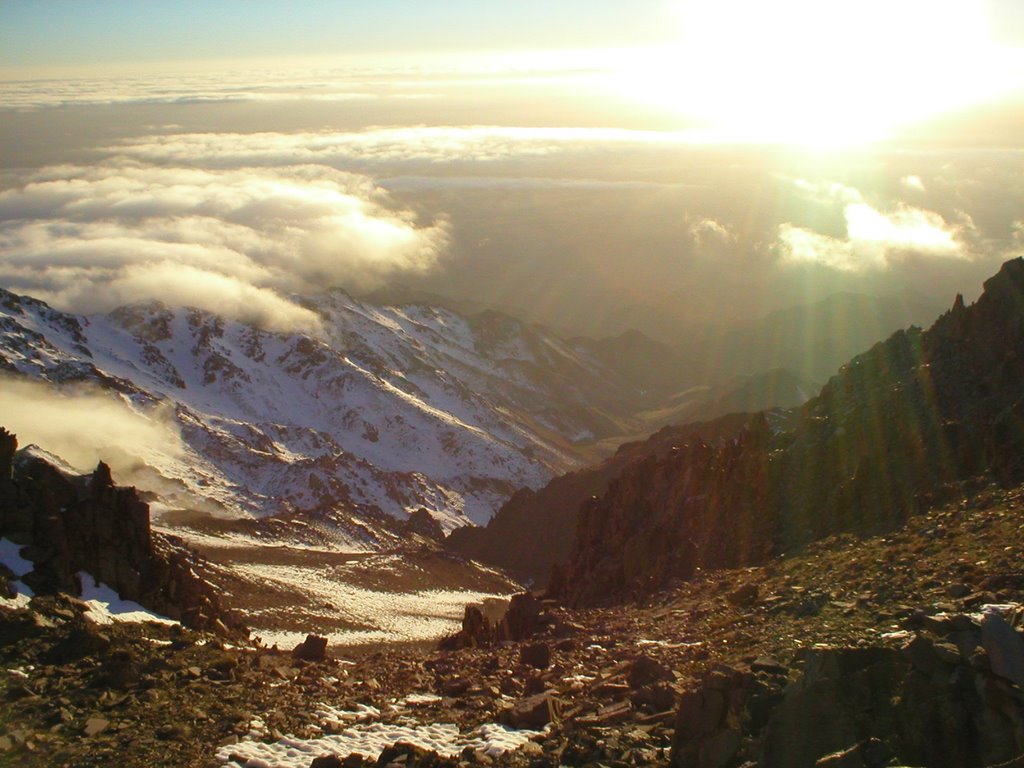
913	182
711	233
234	241
288	84
874	239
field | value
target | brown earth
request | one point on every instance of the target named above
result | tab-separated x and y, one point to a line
613	677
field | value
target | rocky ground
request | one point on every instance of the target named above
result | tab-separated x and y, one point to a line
779	665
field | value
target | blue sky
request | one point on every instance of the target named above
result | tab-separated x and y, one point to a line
111	32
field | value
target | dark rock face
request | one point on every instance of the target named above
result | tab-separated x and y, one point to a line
425	524
533	531
927	703
70	524
896	430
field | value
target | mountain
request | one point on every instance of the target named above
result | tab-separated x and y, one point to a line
809	340
386	409
899	427
533	531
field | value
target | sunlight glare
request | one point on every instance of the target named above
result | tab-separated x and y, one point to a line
819	71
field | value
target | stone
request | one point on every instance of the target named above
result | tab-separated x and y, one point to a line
657	697
769	665
533	712
870	753
313	648
412	756
645	670
1005	648
618	712
95	725
327	761
744	595
536	655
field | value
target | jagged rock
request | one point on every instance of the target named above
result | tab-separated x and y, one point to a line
313	648
76	524
521	618
425	524
534	712
644	670
536	655
1005	648
890	435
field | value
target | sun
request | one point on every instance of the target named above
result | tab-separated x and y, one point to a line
819	71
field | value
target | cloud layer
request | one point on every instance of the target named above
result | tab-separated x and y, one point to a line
236	241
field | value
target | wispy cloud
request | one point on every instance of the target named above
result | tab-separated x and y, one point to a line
237	242
288	84
436	144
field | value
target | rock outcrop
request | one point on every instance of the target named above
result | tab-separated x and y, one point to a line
533	531
520	618
937	701
68	524
897	429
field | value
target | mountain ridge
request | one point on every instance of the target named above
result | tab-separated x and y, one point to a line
896	429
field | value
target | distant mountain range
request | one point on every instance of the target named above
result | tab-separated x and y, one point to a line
388	409
811	341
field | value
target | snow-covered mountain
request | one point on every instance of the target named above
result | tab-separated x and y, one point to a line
385	409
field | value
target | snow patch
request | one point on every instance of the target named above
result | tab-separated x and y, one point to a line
10	556
106	606
370	739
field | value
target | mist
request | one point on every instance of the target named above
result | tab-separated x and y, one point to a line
84	425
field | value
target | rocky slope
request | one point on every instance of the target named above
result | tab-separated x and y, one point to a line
900	649
383	409
533	531
64	533
70	528
886	436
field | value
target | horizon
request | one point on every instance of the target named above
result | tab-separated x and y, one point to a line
668	167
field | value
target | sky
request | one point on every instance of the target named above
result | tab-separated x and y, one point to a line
669	165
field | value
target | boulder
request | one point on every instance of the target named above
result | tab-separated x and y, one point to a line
313	648
536	655
645	670
1005	648
533	712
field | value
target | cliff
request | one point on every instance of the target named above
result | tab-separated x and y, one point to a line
68	524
